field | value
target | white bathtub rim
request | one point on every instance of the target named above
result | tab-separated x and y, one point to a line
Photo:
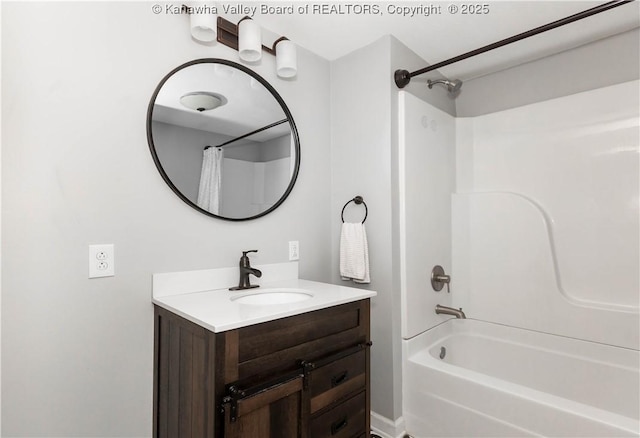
524	392
420	355
468	331
417	350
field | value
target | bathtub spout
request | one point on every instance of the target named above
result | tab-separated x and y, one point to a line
458	313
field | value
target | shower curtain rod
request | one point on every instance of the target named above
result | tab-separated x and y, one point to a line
403	77
264	128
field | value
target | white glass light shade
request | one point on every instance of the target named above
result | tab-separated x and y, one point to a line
249	40
204	26
286	59
202	101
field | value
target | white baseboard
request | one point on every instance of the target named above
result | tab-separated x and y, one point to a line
387	428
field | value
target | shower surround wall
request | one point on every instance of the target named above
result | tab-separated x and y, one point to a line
545	206
546	216
427	179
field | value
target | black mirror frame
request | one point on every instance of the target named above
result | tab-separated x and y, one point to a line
274	93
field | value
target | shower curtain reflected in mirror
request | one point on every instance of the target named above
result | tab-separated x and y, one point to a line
210	180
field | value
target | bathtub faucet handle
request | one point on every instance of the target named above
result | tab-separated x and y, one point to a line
439	279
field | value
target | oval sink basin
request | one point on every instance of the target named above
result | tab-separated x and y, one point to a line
273	296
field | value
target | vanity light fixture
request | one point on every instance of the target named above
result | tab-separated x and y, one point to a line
202	100
245	37
239	37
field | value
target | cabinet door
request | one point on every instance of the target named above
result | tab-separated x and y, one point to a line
271	412
183	379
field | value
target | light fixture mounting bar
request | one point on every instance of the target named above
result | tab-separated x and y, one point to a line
228	35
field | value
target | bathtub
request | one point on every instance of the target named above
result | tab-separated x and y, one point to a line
495	380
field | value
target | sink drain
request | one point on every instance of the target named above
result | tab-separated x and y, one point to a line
443	352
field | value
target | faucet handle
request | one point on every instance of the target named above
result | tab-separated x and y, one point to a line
446	280
439	279
244	253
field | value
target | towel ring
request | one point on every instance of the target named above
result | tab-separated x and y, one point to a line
358	200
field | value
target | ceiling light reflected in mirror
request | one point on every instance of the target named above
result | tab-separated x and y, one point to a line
202	100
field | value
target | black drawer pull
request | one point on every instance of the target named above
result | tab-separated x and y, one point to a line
339	378
339	425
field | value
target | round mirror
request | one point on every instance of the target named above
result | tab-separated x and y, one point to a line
223	139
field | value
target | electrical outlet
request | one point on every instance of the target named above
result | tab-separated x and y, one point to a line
294	250
101	261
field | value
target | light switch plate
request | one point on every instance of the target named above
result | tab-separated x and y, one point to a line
101	261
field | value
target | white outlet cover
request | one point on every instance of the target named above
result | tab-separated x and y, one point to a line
294	250
101	261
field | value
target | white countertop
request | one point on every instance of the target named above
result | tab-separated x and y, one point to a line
215	311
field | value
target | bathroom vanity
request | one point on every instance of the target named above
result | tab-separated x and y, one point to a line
225	366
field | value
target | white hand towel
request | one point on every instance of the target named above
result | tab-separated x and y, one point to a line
354	253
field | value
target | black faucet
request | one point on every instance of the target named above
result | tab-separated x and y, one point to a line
245	271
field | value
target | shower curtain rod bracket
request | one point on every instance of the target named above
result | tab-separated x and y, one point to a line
402	78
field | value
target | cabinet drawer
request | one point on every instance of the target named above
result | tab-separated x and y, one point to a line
278	346
345	420
337	379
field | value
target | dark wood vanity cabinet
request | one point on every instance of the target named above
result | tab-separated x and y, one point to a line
302	376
